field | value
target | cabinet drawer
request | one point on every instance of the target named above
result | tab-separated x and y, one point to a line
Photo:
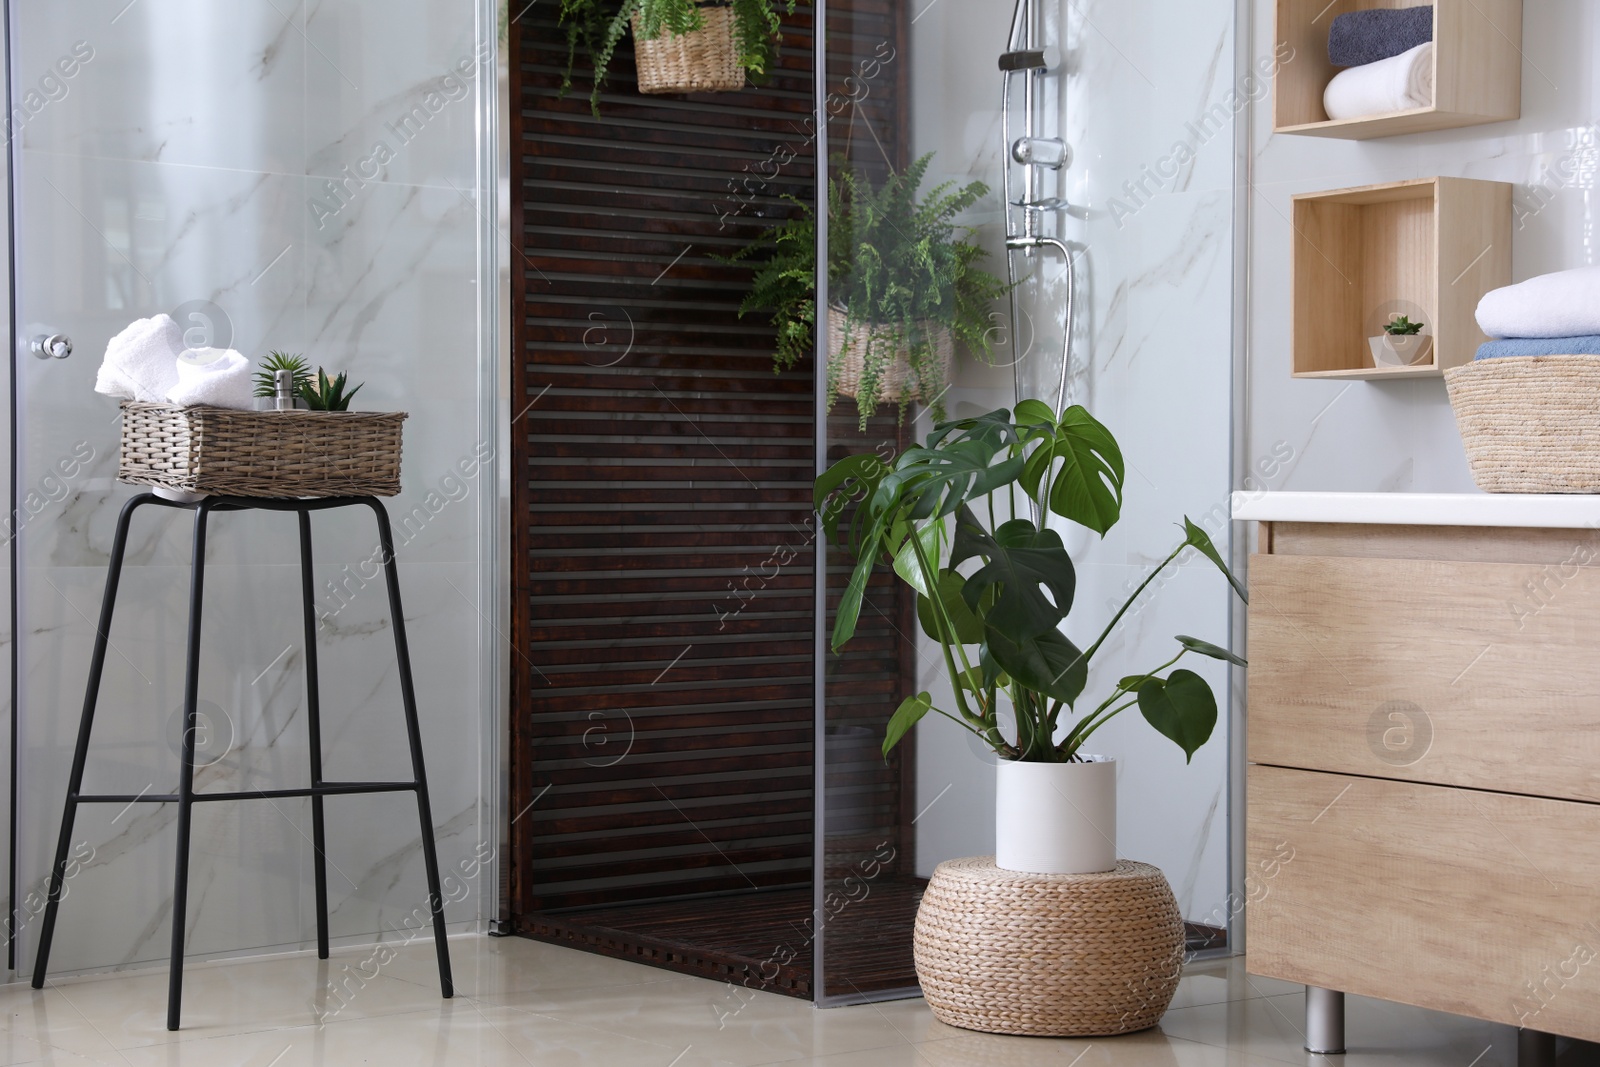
1475	674
1481	904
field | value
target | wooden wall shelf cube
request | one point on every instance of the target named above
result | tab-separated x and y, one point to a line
1477	68
1430	247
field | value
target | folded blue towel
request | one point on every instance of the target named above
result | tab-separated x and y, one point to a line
1362	37
1541	346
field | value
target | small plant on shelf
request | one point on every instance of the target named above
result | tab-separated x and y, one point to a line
1402	326
267	377
904	281
596	27
324	395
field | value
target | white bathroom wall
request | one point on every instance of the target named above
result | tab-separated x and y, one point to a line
1151	184
289	176
1401	436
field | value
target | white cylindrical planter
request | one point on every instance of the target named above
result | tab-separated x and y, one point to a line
1056	818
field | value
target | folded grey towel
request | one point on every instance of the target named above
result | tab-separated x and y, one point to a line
1362	37
1540	346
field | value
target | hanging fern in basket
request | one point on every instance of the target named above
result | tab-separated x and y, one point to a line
596	27
901	272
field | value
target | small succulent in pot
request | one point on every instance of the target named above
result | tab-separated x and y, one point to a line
321	394
267	377
1402	326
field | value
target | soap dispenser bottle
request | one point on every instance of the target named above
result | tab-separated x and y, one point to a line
283	398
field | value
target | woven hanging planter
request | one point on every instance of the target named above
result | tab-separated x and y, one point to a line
261	453
1048	955
1530	424
900	381
700	61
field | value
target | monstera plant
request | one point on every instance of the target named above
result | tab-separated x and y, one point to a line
959	520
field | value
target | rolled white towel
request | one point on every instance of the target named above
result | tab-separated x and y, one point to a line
1398	83
218	377
1563	304
141	361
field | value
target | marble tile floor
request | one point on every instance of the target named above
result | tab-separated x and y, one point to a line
524	1003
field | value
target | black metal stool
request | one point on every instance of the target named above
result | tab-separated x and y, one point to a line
186	797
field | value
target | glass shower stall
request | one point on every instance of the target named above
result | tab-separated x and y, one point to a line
697	777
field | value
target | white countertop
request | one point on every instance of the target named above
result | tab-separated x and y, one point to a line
1557	511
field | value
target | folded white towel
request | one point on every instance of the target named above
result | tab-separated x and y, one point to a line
1564	304
218	377
1398	83
141	361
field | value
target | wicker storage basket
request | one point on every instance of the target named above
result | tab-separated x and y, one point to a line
1530	424
900	382
261	453
700	61
1048	955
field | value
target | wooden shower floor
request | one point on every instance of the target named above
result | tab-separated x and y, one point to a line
763	940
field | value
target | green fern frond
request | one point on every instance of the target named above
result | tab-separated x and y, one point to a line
898	264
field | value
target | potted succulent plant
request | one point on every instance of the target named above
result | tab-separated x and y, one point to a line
681	46
321	394
904	287
1402	343
313	392
993	594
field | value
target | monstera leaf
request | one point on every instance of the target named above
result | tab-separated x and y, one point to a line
1029	567
1181	707
1082	466
968	623
1047	663
908	714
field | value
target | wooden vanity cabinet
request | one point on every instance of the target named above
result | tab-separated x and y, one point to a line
1423	741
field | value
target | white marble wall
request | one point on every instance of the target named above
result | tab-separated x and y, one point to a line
1401	436
252	159
1152	360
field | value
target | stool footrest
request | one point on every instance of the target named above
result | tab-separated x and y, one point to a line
326	789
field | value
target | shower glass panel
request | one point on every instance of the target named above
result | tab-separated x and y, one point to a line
1142	199
219	164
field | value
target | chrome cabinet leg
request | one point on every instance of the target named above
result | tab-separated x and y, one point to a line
1324	1021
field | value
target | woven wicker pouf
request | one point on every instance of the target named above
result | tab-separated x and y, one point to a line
1048	955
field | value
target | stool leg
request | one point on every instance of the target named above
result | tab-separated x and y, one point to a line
430	857
191	696
314	727
80	754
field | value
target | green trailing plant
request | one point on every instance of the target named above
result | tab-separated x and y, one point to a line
324	395
596	27
267	377
995	594
1402	326
898	265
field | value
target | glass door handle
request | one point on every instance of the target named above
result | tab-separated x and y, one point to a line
53	346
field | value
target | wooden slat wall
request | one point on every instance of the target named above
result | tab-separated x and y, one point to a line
668	732
663	619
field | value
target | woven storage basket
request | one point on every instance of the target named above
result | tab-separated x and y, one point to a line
1049	955
700	61
261	453
1530	424
900	382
